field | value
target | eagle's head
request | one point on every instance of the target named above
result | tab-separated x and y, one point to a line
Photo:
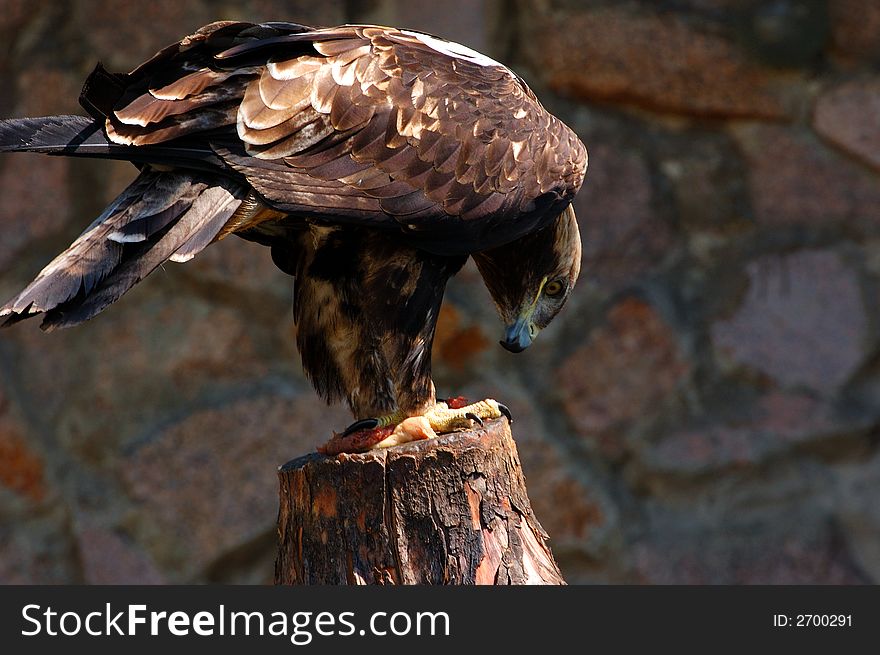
531	278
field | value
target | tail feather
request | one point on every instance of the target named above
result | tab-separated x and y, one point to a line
83	136
59	135
138	232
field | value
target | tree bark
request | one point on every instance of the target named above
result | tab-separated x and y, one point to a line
451	510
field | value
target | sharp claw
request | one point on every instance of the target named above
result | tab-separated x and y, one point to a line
363	424
504	410
474	418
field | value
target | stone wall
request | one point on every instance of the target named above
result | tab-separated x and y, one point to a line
705	410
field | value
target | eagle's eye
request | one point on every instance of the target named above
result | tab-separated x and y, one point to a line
554	288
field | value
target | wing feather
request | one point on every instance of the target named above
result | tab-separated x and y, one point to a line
403	123
159	216
196	226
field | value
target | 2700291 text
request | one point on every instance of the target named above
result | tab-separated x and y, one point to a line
812	621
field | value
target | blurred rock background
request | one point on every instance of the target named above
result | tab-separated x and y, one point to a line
705	410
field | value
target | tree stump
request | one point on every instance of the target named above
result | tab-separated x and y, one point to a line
451	510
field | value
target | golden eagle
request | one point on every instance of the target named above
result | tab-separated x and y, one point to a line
373	162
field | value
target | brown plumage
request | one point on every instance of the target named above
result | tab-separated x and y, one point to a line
373	161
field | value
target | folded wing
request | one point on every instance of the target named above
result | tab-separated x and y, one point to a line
361	123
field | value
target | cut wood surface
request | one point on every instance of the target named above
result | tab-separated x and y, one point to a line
451	510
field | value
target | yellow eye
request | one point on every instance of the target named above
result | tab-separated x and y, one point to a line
554	288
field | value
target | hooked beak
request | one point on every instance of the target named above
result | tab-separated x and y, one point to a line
519	335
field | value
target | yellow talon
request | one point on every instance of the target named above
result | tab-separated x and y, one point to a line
443	419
